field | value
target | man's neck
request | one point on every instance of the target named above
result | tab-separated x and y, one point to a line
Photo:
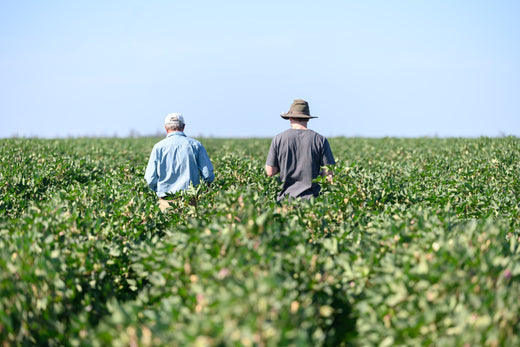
168	132
298	125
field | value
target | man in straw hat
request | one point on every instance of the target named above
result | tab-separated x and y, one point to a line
176	162
298	154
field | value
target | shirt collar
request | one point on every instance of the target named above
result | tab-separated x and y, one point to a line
176	133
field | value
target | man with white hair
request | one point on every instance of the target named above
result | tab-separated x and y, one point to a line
176	162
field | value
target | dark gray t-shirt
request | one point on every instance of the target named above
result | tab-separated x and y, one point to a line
299	154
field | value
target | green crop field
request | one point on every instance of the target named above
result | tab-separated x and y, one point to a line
414	243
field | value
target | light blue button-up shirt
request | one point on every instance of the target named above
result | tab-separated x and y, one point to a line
176	162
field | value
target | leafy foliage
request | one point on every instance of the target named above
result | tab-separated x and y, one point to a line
415	242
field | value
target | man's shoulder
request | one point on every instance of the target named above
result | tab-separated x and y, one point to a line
170	141
285	134
320	136
315	135
161	143
193	142
307	133
191	139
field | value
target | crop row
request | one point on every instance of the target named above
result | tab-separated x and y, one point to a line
415	242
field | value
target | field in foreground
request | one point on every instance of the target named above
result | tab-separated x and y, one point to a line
416	242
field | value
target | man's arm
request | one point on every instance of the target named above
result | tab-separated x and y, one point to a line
205	166
327	160
150	175
271	165
271	170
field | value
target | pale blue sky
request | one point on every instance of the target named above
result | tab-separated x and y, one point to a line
367	68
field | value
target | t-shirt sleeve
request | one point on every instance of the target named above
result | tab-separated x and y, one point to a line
272	156
328	158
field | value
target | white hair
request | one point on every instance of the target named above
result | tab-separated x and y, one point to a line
177	126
